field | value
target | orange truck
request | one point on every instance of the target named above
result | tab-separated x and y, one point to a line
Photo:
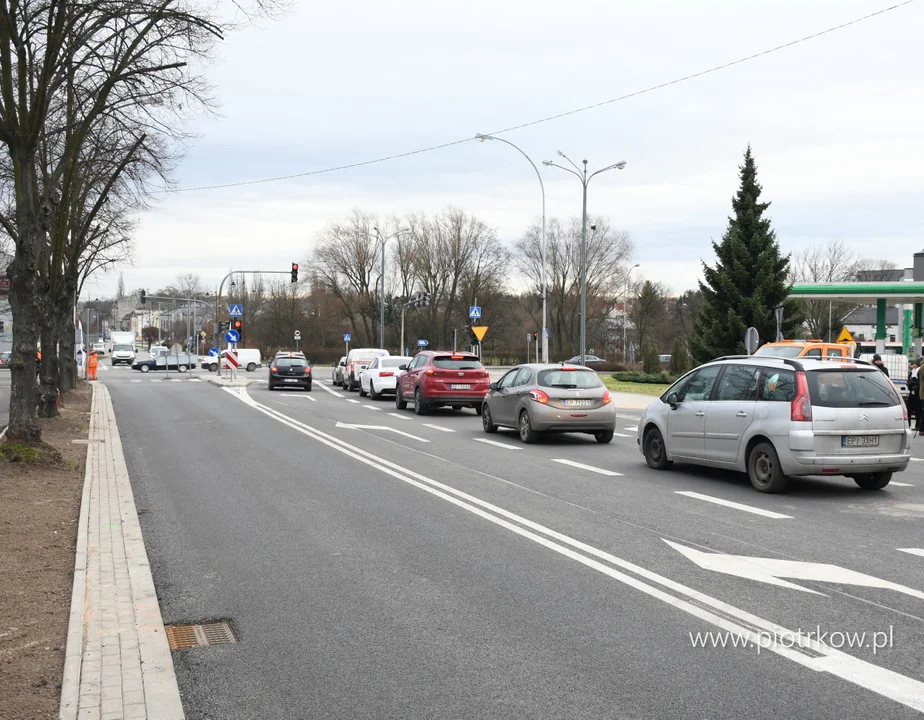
806	348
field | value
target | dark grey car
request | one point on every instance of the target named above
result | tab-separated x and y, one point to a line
540	398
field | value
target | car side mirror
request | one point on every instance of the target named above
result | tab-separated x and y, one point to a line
493	386
672	400
402	367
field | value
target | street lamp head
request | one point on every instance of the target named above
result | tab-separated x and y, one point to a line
635	266
548	163
620	165
481	137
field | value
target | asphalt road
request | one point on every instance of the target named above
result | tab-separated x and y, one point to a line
406	569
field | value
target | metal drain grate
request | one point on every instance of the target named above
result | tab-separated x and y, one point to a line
182	637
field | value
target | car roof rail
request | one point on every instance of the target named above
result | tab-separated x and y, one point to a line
789	361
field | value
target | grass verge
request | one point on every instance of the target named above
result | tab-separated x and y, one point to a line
655	390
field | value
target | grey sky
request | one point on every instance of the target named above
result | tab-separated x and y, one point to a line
835	125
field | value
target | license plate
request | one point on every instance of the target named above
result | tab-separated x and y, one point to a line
576	403
859	441
290	380
460	387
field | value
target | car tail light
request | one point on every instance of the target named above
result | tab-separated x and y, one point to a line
274	369
539	396
307	371
386	374
801	407
606	397
905	410
487	374
430	372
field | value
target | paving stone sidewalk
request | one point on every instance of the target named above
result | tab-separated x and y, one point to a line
117	662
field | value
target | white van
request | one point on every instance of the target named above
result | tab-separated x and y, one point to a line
249	359
357	361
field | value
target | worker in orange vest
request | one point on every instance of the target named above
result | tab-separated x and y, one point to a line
92	363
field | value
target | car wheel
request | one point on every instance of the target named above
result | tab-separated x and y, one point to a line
420	407
251	367
182	368
873	481
400	402
655	452
372	393
308	387
270	387
213	367
764	469
525	427
487	422
362	390
145	368
604	436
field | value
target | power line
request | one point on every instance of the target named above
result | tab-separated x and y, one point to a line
586	108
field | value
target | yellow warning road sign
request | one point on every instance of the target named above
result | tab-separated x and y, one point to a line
845	336
479	331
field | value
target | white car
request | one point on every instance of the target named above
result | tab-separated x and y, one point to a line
381	376
774	418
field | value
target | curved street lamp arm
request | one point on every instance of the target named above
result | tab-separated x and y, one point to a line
567	170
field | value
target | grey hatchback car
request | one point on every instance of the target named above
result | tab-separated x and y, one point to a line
779	417
541	398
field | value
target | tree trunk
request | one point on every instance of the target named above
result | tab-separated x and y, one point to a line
26	321
67	366
48	379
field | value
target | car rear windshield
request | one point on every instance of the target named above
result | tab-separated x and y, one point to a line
290	362
580	379
851	388
392	361
785	351
459	362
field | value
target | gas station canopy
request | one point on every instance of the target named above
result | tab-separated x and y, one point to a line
895	293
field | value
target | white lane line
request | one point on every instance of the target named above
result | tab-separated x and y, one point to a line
195	380
628	417
804	650
156	379
353	400
371	407
736	506
498	444
901	484
616	434
323	386
582	466
917	459
399	416
438	427
634	428
299	395
912	551
175	380
137	381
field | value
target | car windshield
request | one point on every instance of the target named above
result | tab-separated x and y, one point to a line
850	387
290	362
785	351
562	378
121	348
392	361
456	362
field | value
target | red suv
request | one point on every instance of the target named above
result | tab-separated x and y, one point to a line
435	379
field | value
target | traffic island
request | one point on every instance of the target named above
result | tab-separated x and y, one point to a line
226	382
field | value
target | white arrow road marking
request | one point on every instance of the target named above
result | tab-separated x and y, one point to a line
805	650
379	427
582	466
299	395
770	570
323	386
497	444
736	506
438	427
399	416
913	551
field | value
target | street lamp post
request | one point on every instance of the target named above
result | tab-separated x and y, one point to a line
584	178
382	241
625	313
542	248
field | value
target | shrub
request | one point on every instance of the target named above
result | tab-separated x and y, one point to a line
680	358
650	360
658	378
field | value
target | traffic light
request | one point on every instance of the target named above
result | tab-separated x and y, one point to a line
421	299
295	272
238	325
142	297
222	326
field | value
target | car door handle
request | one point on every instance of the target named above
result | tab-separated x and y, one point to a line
741	414
700	414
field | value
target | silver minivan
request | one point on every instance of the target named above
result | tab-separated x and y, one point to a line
774	418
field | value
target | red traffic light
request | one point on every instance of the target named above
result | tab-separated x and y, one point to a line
238	324
295	266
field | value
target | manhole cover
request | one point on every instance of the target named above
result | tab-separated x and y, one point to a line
182	637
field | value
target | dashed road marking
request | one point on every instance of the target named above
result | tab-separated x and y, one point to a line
912	551
582	466
438	427
498	444
734	505
399	416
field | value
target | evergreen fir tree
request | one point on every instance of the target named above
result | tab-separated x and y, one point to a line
749	280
